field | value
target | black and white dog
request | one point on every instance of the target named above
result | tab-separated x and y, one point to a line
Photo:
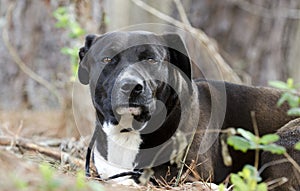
149	109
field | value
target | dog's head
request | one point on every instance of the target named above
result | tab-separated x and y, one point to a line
129	72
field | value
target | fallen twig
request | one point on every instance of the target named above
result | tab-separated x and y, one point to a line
30	145
182	12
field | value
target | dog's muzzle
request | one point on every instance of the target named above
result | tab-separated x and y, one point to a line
134	97
131	88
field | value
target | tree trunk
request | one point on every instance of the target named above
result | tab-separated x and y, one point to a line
293	57
260	36
37	42
29	25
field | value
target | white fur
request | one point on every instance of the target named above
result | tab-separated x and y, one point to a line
122	148
107	169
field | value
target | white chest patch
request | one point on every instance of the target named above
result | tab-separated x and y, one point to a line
122	148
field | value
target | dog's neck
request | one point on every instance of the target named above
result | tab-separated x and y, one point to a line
122	148
179	126
165	131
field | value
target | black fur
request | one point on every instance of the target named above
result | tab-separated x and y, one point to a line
83	74
122	49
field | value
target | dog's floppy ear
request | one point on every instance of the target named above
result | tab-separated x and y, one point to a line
83	73
178	53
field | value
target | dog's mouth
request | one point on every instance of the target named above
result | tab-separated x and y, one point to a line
139	114
133	110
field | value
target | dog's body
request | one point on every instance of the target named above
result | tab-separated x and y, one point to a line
241	100
149	109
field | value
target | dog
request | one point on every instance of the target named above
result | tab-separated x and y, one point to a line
151	114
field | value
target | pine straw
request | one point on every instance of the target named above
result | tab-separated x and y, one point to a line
20	159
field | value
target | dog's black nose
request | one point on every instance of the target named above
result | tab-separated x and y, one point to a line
131	88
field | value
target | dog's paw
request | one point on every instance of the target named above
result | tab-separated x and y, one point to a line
129	182
125	181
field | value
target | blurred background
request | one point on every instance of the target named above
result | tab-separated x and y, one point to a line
258	40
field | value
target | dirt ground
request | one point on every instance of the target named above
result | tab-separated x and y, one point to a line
38	155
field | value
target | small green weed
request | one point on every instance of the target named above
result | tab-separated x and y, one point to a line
49	181
66	21
297	146
248	141
290	95
248	180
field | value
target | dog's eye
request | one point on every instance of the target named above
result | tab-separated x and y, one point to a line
106	60
151	61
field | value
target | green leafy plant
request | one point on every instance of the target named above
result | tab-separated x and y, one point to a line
222	187
80	180
66	21
47	177
73	54
297	146
49	181
248	180
19	183
290	95
248	141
